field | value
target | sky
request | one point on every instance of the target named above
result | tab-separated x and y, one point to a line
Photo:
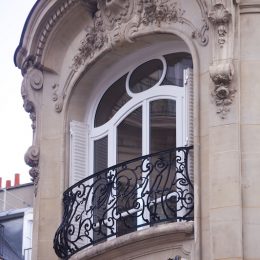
15	126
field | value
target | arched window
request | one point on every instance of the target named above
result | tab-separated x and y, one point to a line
135	151
143	112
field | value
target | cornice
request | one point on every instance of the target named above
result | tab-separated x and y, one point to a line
40	22
249	8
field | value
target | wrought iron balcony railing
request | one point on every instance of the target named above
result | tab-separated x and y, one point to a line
121	199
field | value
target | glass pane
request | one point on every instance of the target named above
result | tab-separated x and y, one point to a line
129	146
100	154
100	181
176	64
113	99
162	137
162	125
146	76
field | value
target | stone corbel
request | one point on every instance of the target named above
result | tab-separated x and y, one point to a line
223	93
32	83
33	80
222	17
31	158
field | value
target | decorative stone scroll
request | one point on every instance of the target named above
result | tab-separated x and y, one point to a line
31	158
221	71
33	80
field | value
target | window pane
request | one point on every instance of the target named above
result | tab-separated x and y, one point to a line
129	137
100	154
113	99
176	63
100	181
162	137
162	125
146	76
129	146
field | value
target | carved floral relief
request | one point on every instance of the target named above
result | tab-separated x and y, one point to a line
117	21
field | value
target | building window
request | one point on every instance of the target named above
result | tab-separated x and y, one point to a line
136	150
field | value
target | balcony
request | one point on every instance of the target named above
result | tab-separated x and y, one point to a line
127	197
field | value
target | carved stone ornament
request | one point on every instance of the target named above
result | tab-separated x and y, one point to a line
34	80
28	103
31	158
118	21
220	16
223	93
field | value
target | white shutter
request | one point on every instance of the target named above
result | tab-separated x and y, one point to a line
189	133
78	151
188	83
78	171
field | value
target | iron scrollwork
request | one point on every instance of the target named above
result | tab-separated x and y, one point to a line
144	191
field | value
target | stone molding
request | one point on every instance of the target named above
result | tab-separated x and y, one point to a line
221	71
51	22
249	8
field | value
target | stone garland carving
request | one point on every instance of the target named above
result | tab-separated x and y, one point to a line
121	17
119	21
161	12
220	17
223	93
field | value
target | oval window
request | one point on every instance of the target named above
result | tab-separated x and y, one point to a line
146	76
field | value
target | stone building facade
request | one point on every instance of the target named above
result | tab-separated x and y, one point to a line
73	54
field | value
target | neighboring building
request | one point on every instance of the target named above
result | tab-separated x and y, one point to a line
106	81
16	221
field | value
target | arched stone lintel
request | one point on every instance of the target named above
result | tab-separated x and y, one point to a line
63	94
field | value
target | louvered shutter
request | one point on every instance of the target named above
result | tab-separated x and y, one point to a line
188	75
189	97
78	171
78	151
